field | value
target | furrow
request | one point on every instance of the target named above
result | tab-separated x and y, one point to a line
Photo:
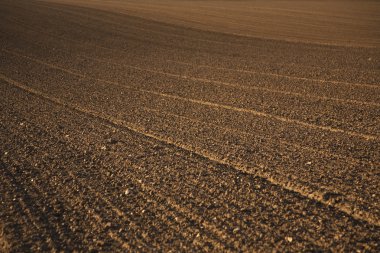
368	137
20	214
235	85
64	189
276	180
303	170
54	35
31	214
178	210
164	198
211	194
244	133
279	75
328	144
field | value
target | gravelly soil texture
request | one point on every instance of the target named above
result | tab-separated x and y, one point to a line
119	132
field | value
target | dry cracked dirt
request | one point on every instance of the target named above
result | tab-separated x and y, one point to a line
148	126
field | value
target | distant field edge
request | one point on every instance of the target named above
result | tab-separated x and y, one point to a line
194	24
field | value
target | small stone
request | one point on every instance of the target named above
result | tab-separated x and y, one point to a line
5	153
103	148
236	230
289	239
308	163
22	123
126	192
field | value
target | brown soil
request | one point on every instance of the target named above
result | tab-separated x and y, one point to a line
121	133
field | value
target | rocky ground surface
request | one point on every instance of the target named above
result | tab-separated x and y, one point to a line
118	133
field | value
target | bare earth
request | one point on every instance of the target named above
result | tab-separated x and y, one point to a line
186	126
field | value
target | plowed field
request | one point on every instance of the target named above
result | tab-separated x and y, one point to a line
145	126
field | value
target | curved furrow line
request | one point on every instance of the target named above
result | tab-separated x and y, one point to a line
291	64
95	214
227	84
32	209
332	150
352	160
8	201
350	68
30	216
82	76
158	200
114	209
120	214
242	226
219	232
24	212
300	93
39	189
348	199
213	145
213	233
58	231
46	177
321	81
164	197
212	228
248	224
236	85
364	136
249	111
218	197
204	196
274	179
98	196
289	143
374	86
